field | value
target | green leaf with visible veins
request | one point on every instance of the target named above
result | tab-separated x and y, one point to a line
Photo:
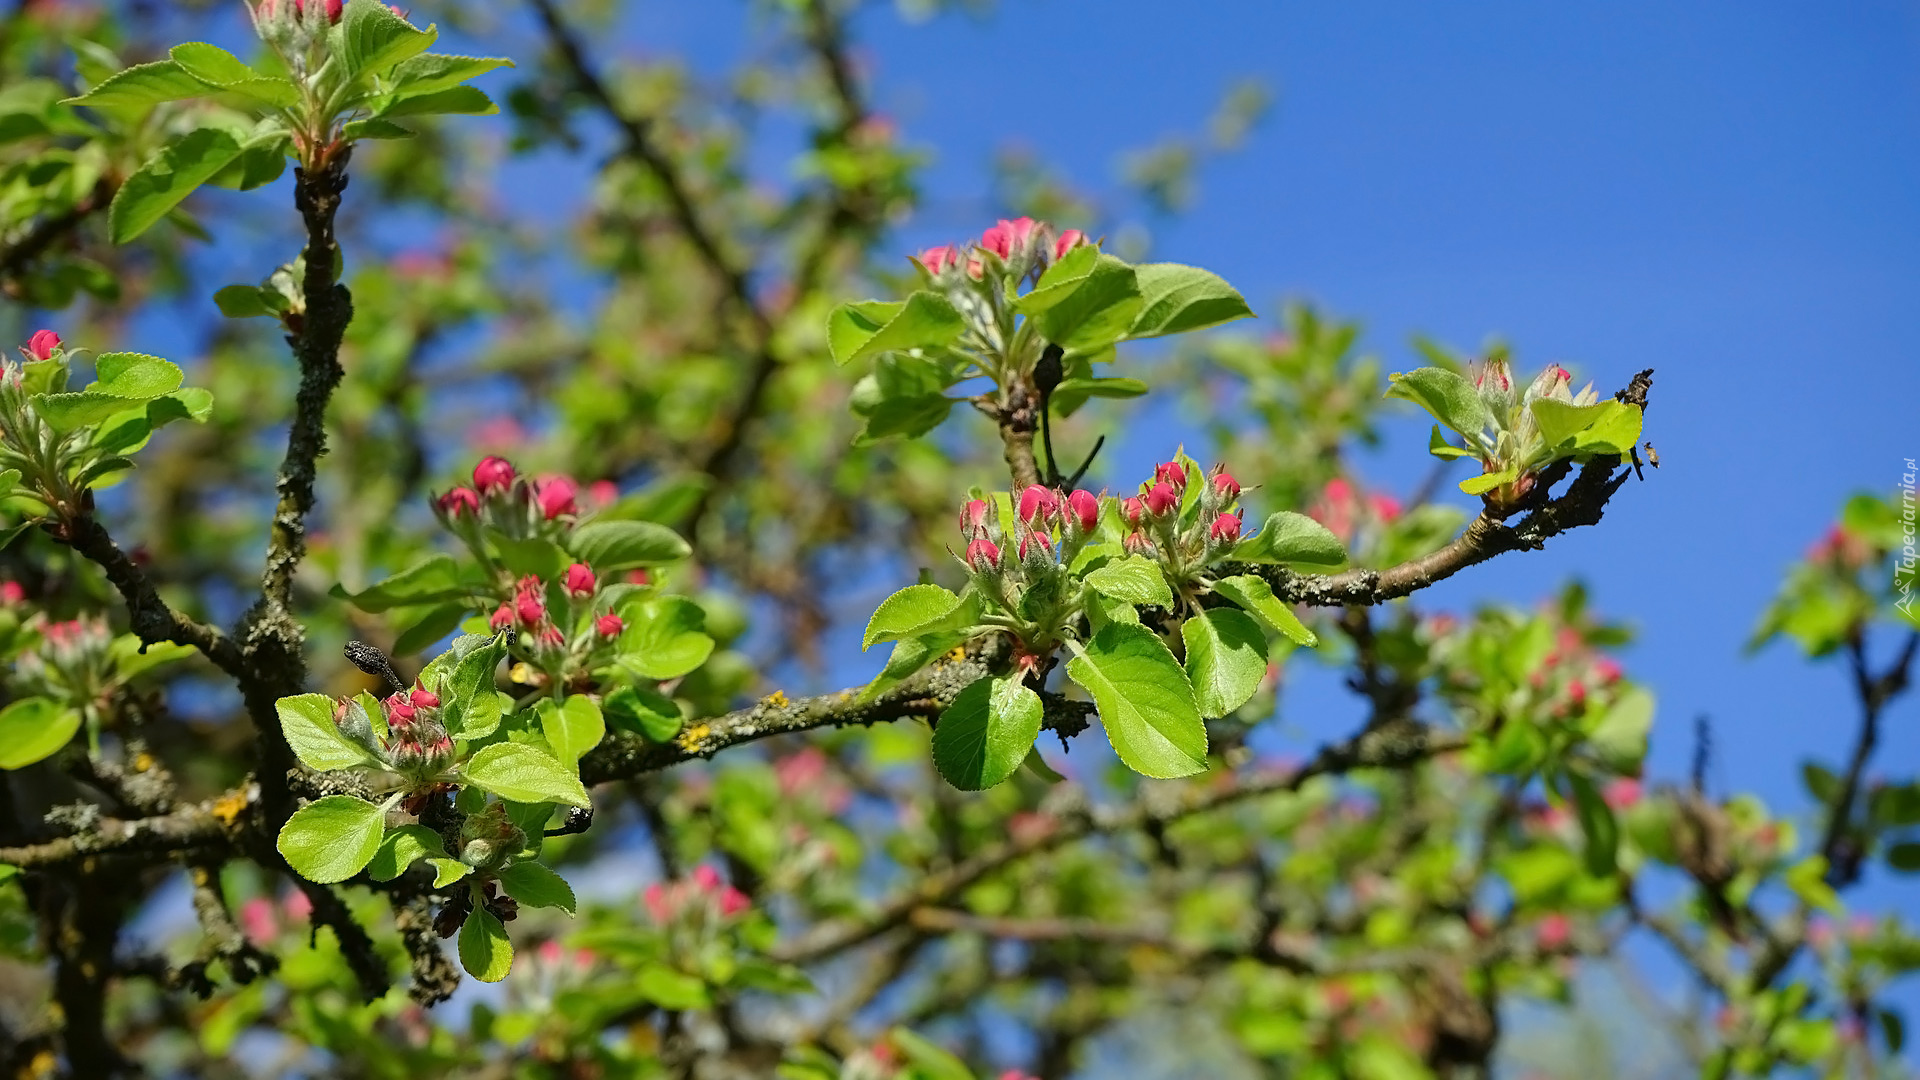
526	774
1145	701
32	729
924	320
905	612
167	179
1135	579
485	950
1254	594
331	839
1288	537
1448	397
984	735
535	885
306	722
1226	658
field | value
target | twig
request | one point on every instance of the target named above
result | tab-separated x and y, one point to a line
153	621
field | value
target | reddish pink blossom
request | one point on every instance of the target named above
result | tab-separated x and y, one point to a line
297	906
493	474
1621	792
42	344
982	555
1035	544
400	711
733	902
460	502
424	698
11	592
1171	473
1038	506
1067	241
1133	510
609	625
1553	933
1009	237
1136	543
1161	500
937	259
1385	507
706	878
974	516
579	581
1225	486
1577	693
1225	529
1083	507
528	603
655	897
1607	671
501	618
555	496
639	577
551	636
800	771
602	493
258	921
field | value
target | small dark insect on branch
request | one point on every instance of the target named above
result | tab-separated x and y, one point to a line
371	660
1702	751
579	820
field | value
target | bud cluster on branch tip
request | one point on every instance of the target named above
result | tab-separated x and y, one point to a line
417	745
489	838
701	897
1016	248
519	506
1154	518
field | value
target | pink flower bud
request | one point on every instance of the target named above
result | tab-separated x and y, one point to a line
400	711
1577	693
1133	510
1067	241
733	902
1161	500
1009	237
937	259
639	577
257	920
982	555
1385	507
501	618
550	636
609	625
42	344
424	698
1083	509
1606	671
555	496
493	474
11	592
1553	933
706	878
1226	486
1037	545
1225	529
1137	543
1171	473
579	581
655	897
1038	506
974	516
1621	793
528	605
460	502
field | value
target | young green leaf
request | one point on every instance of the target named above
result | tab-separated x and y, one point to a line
984	735
572	727
472	707
1182	298
930	1061
1135	579
910	654
167	179
1449	397
1060	280
435	578
1620	736
1226	658
608	546
430	73
455	101
1145	701
671	989
216	66
859	331
1095	314
523	773
331	839
401	848
306	721
534	885
644	710
665	638
1439	447
1255	595
1485	482
1598	824
485	950
143	84
374	38
906	611
31	729
1288	537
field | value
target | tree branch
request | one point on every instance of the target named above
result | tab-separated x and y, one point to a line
14	259
153	621
213	825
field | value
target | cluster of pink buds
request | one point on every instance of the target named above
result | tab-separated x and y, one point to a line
701	896
1344	512
1048	525
12	594
263	920
1841	550
73	660
417	744
1016	248
516	505
1572	672
1153	517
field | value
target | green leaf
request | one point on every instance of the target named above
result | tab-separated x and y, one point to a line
447	871
1060	280
924	320
432	72
572	727
1485	482
1559	421
984	735
485	950
671	989
1904	857
218	67
32	729
608	546
533	555
331	839
1620	737
1598	824
143	84
909	656
526	774
1449	397
457	101
1226	658
904	394
1439	447
1182	298
471	705
433	579
1254	594
167	179
373	38
1288	537
644	710
1101	388
665	638
534	885
401	849
306	721
134	376
1095	314
1135	579
374	127
1808	880
905	612
1145	701
1615	432
932	1062
431	626
245	301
